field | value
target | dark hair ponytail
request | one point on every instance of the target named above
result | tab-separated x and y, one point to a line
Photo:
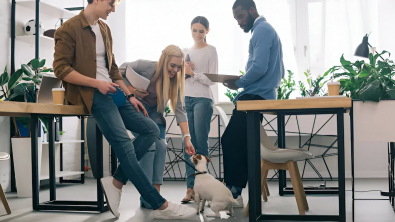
202	20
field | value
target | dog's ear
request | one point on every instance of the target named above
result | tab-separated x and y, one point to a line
207	159
194	160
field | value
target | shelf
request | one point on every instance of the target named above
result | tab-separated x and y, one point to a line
65	141
62	174
47	9
31	39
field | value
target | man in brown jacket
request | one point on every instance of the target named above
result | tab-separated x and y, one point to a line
84	61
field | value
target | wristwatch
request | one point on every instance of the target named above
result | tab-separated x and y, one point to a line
130	95
185	135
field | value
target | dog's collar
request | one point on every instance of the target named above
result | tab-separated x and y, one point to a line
198	173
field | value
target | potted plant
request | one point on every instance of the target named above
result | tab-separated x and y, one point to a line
61	133
371	81
22	86
287	86
314	86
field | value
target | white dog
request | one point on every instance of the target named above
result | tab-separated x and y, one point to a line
207	188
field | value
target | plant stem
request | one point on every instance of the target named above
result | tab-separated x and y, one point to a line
4	92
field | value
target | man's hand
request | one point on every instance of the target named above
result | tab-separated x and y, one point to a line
189	149
138	105
106	87
231	84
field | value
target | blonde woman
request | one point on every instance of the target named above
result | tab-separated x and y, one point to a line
167	83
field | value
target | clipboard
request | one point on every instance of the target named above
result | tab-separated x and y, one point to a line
221	77
136	80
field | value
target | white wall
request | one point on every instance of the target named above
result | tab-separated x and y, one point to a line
386	30
5	17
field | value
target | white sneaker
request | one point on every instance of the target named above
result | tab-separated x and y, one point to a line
240	203
113	195
175	212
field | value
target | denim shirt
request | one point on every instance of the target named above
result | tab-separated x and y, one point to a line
265	67
147	69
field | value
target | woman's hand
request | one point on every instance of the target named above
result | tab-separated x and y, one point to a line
189	149
138	93
189	67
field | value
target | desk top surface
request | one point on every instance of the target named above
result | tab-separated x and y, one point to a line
295	104
26	109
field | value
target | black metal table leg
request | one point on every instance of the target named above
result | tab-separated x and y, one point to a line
51	151
282	176
254	170
341	167
34	153
83	149
99	161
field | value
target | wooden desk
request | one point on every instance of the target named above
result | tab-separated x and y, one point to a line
281	108
27	109
34	111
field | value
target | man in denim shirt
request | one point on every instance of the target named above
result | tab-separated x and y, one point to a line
264	72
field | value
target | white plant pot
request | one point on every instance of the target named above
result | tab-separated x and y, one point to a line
21	148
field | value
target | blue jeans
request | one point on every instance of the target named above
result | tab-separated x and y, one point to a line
113	122
199	111
153	162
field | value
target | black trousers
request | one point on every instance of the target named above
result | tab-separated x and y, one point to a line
234	146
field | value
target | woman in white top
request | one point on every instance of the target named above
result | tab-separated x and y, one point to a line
201	58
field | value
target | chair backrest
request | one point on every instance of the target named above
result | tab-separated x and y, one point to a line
265	141
222	115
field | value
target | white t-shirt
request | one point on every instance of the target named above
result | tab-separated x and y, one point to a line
101	68
205	61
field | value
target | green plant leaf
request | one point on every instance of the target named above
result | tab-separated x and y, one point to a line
46	70
27	70
37	76
365	73
344	62
36	81
35	64
372	60
15	78
41	64
391	93
27	78
4	78
11	97
371	92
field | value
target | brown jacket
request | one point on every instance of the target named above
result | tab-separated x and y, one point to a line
75	49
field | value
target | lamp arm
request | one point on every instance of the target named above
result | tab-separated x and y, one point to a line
375	51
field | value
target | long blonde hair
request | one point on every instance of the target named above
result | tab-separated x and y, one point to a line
167	88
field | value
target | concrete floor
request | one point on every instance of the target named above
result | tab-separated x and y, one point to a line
366	211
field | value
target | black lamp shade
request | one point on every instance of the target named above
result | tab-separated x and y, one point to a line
363	48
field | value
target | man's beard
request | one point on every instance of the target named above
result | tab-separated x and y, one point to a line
250	23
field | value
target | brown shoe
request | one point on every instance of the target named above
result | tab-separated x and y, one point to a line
189	196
